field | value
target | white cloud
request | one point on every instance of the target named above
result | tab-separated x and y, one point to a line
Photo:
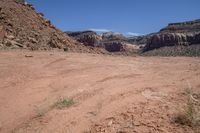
100	30
133	34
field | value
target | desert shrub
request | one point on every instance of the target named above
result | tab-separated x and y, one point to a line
64	103
189	114
66	49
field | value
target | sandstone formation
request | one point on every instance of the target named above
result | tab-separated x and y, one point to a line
113	36
88	38
119	46
184	34
110	41
183	27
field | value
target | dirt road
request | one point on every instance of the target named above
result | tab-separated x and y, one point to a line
112	94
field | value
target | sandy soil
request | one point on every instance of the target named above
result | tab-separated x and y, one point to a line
112	94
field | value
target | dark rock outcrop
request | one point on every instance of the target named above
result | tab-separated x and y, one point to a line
176	34
112	46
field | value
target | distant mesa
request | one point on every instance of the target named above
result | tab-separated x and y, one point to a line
110	41
176	34
88	38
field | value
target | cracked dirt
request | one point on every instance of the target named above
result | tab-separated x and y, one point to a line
112	94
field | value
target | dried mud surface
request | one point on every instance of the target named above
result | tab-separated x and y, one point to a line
112	94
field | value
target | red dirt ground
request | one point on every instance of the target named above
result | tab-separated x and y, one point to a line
112	94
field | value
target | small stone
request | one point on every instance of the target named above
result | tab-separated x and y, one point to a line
2	32
28	56
41	15
8	43
11	37
33	40
110	123
136	123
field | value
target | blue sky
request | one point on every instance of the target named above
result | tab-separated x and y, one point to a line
126	16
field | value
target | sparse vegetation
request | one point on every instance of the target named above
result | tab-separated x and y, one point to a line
64	103
187	115
40	112
66	49
190	113
190	51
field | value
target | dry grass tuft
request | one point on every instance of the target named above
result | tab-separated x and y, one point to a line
189	115
64	103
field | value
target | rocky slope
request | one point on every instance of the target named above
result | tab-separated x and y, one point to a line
176	34
22	27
